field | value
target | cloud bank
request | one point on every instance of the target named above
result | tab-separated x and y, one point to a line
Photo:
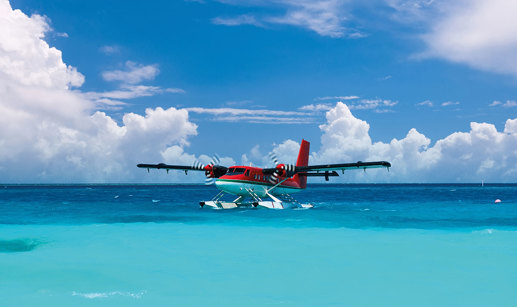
51	133
483	153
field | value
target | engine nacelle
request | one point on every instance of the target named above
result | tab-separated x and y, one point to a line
280	170
209	171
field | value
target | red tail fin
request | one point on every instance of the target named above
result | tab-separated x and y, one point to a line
303	160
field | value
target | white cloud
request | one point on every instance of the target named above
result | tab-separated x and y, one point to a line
507	104
255	116
427	103
483	153
479	33
109	49
412	10
49	133
378	105
253	155
316	107
235	111
337	98
386	78
450	103
271	120
134	73
132	91
26	58
110	100
325	17
237	21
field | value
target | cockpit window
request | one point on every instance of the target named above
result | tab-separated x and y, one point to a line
232	171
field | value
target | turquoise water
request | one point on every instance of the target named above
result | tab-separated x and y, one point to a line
362	245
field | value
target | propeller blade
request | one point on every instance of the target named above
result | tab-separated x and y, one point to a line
274	177
215	160
198	165
273	157
209	181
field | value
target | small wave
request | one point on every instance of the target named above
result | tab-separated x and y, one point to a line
116	196
156	200
302	208
94	295
365	209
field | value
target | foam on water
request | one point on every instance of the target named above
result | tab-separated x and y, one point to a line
96	295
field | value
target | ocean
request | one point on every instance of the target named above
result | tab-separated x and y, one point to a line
361	245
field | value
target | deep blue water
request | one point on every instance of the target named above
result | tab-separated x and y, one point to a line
352	206
362	245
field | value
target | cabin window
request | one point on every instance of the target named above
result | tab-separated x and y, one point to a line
247	173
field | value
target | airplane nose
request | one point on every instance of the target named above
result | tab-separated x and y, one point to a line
218	183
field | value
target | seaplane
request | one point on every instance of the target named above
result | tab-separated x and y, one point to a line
264	187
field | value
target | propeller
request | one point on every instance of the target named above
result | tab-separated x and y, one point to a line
209	169
282	170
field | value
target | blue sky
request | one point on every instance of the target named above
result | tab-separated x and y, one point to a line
391	57
278	67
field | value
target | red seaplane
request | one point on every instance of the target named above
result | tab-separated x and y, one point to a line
251	184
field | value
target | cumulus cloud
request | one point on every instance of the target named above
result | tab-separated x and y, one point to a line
51	133
26	58
483	153
133	73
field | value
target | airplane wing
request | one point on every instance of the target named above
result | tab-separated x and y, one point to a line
342	166
211	171
329	167
167	166
323	170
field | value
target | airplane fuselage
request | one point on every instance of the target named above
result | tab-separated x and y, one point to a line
239	180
